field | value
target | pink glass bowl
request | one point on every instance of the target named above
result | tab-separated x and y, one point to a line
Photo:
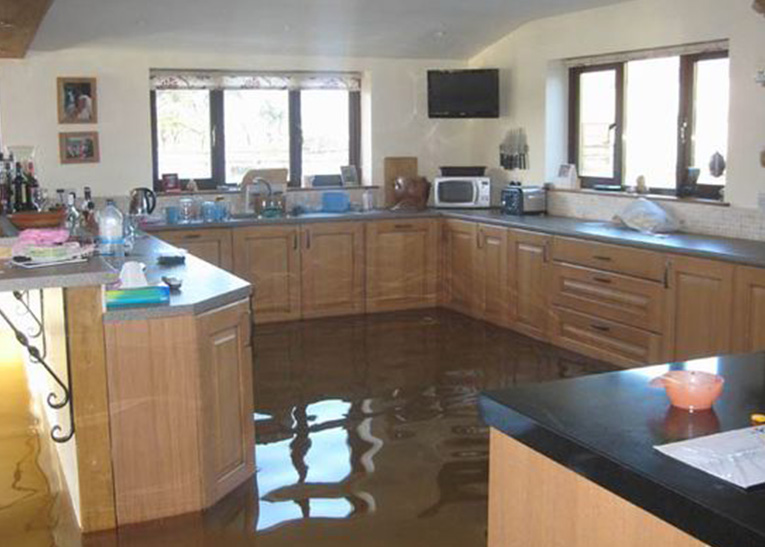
690	389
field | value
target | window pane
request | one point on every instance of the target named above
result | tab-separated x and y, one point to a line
651	112
183	133
597	119
257	131
711	101
326	136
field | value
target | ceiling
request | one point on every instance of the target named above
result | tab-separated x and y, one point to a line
437	29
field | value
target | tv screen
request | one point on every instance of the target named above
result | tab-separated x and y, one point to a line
463	93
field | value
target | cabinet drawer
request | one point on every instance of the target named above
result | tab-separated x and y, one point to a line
612	258
606	340
628	300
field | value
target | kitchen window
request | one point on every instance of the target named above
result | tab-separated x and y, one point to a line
213	127
661	117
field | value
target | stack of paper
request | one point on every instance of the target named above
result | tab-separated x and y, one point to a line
737	457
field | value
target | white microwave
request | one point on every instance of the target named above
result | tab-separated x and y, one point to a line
463	192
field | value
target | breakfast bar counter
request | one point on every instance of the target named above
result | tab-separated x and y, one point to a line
580	453
151	413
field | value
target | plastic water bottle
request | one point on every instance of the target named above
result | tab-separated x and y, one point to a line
111	233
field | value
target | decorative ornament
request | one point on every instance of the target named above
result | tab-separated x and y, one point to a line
717	165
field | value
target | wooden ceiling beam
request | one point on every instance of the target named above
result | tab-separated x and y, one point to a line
19	21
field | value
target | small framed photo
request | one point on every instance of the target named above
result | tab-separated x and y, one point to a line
349	175
79	147
77	100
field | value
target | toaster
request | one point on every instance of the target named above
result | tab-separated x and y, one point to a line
524	200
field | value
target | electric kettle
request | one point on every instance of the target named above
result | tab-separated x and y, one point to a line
143	201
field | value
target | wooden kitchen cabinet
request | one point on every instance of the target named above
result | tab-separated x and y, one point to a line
528	274
401	264
491	275
269	258
228	446
749	306
459	254
213	245
699	307
332	269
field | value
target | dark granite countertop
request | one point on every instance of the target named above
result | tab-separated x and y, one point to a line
739	251
205	286
604	428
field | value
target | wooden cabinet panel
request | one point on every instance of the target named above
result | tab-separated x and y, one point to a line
749	310
212	245
700	308
606	340
612	258
401	264
269	258
629	300
528	282
332	270
491	275
459	254
228	445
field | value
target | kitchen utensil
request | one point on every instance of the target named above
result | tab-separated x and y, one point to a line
143	201
187	210
208	211
691	389
172	214
335	202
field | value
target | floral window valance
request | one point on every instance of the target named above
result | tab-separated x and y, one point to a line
214	79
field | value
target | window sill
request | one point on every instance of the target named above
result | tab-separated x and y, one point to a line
234	190
656	197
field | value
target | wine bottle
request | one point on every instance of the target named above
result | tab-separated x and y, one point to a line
32	188
18	188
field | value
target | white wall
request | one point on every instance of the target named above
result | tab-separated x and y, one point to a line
394	105
531	57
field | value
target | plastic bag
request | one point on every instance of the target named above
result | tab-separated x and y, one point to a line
648	217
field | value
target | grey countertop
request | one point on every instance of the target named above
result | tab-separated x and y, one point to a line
205	287
95	271
739	251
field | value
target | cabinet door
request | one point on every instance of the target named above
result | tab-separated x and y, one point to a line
528	281
332	269
700	307
749	310
460	245
491	275
228	444
402	264
211	245
269	258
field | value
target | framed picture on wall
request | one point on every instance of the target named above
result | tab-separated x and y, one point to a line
79	147
77	100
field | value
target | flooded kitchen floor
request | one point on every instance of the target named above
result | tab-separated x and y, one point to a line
367	434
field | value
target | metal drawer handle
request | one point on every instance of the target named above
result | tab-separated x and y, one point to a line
601	328
603	258
403	226
192	236
602	280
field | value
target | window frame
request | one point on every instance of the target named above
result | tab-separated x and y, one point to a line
218	139
685	127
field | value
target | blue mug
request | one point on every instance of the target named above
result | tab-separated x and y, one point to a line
209	211
172	214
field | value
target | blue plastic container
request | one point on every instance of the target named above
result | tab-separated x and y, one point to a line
335	202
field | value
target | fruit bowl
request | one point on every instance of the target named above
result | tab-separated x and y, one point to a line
690	389
38	219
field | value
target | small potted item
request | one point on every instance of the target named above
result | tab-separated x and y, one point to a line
690	389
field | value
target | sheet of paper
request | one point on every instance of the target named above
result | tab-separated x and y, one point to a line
737	456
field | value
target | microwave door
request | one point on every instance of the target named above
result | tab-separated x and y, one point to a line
456	192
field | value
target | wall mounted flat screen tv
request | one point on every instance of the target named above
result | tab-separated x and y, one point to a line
463	93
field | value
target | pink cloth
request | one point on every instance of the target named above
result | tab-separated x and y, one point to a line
43	238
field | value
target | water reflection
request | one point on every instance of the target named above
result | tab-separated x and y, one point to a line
372	423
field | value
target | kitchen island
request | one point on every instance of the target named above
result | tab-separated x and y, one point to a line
151	413
572	462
